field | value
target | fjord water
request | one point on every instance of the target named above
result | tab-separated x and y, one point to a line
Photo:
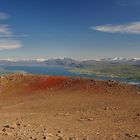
61	71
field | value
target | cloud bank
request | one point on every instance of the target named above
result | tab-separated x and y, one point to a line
7	37
130	28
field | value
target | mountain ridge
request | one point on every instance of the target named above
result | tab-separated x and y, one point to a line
69	61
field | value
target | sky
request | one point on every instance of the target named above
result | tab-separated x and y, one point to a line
78	29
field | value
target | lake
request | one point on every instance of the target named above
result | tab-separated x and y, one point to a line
60	71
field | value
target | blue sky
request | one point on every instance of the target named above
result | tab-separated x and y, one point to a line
80	29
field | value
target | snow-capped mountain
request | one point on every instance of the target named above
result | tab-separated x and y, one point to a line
40	59
63	62
119	59
70	62
133	61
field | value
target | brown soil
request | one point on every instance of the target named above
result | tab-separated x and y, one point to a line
63	108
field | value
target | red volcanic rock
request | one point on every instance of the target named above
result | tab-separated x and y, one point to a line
48	82
33	83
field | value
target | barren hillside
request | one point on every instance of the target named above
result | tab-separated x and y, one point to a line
66	108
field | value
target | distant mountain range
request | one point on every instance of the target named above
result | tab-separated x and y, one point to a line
119	60
68	62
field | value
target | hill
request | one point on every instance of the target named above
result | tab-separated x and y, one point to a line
66	108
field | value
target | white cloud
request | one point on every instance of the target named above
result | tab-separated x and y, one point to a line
130	28
5	30
7	40
3	16
9	44
7	37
